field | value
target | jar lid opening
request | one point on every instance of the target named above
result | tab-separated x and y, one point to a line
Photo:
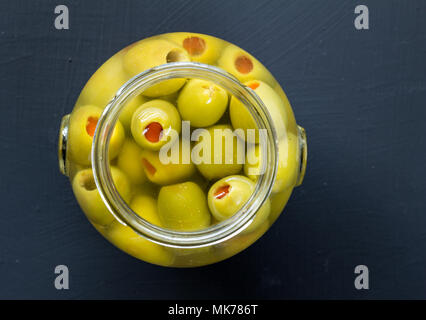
118	206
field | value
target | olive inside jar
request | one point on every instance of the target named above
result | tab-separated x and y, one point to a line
182	149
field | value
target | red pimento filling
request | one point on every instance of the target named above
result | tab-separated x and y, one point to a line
254	85
91	126
243	64
151	169
194	45
222	191
153	132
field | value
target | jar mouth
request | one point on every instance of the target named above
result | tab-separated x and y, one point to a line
121	210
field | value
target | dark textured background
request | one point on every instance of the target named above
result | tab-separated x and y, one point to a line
360	95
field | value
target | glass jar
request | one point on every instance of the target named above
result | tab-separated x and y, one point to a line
177	90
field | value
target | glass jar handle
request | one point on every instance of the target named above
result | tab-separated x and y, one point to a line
303	154
62	145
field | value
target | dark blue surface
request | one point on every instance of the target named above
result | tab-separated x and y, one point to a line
361	95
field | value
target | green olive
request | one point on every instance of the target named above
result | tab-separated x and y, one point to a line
153	123
82	127
288	165
176	170
146	207
129	241
165	88
230	194
202	103
129	109
104	83
151	53
243	65
200	47
88	196
242	119
215	164
183	207
128	161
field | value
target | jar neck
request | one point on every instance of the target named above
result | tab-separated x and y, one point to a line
120	209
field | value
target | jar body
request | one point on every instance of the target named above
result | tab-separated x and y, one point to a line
130	178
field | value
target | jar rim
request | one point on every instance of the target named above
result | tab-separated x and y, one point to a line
121	210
